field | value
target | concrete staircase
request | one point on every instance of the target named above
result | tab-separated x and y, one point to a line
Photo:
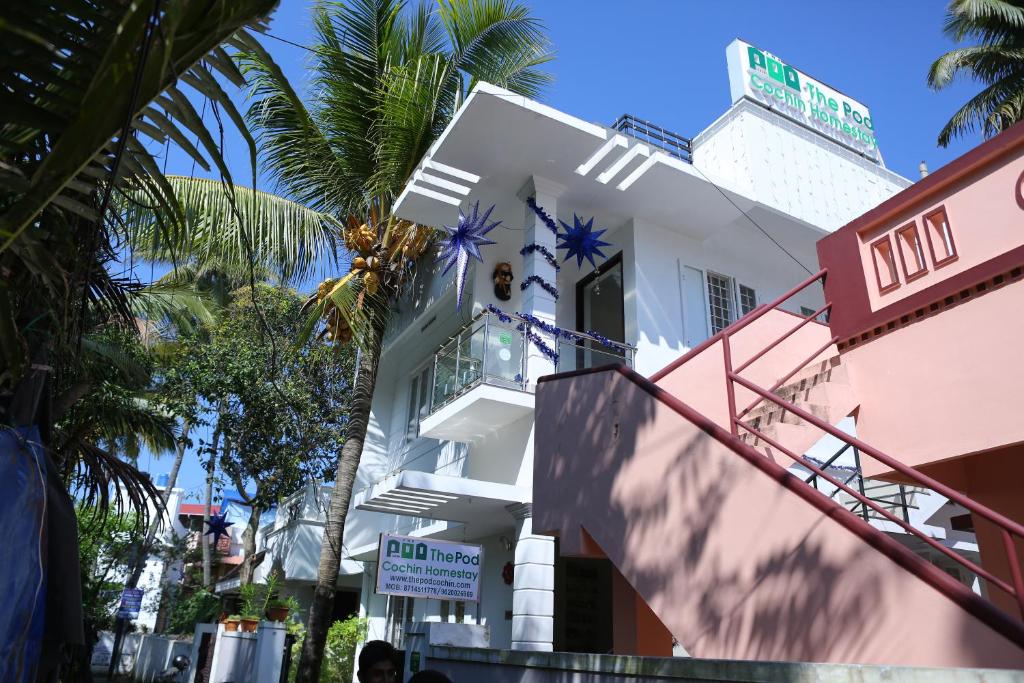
822	388
738	558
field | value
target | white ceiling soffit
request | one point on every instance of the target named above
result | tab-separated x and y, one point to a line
441	497
498	140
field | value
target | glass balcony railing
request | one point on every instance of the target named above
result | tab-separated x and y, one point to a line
494	350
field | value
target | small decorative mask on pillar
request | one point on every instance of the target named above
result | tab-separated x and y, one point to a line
503	281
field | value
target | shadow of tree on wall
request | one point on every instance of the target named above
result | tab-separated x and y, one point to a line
662	504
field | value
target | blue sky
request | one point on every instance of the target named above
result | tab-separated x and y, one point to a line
664	61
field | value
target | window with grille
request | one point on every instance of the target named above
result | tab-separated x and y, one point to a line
720	301
748	299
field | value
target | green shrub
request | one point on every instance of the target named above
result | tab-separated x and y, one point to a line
339	655
202	607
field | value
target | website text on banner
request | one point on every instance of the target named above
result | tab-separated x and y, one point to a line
425	568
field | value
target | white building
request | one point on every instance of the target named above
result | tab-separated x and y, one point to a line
700	232
156	573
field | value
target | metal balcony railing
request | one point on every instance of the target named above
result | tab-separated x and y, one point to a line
671	143
896	499
494	349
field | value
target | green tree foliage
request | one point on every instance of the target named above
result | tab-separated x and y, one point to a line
107	413
201	607
279	407
996	61
105	545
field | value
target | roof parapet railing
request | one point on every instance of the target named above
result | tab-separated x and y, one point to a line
673	144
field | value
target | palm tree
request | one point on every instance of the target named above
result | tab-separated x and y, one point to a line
387	78
997	61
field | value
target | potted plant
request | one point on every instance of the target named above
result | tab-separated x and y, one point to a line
250	622
278	610
231	623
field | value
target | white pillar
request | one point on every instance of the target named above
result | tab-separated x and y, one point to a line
536	300
270	640
533	587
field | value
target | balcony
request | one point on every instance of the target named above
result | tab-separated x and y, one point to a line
481	375
673	144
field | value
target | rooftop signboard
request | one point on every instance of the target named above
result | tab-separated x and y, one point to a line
764	78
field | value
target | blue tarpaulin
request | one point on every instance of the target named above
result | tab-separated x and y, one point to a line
23	511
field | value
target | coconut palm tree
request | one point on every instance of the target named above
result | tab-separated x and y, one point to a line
388	77
996	61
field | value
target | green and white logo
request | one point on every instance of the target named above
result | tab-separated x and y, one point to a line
776	70
763	77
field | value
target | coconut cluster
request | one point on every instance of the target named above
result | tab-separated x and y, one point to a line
382	258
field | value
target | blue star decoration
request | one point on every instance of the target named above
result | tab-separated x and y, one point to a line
218	526
464	240
582	241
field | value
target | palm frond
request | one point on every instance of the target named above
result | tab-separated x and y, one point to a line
318	177
998	62
78	92
230	230
497	41
171	306
992	110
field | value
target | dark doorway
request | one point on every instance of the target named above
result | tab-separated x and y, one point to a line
346	604
600	309
583	605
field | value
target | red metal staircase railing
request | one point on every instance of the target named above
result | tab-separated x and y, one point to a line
1009	529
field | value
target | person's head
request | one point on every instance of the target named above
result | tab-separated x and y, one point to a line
430	676
378	663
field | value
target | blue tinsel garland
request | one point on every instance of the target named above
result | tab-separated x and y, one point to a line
532	321
543	215
548	256
548	287
502	315
538	342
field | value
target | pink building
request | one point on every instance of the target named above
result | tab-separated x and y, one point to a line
684	481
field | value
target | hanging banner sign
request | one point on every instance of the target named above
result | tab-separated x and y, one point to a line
425	568
131	603
763	77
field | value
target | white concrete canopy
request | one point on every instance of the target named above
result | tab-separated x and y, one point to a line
434	496
499	139
481	411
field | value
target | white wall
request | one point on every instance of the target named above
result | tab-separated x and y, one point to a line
779	163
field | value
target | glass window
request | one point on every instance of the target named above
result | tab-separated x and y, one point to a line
419	402
720	301
748	299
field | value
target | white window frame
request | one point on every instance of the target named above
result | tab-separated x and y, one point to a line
396	628
739	298
416	409
734	297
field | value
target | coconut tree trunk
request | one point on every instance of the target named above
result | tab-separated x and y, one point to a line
211	469
322	606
